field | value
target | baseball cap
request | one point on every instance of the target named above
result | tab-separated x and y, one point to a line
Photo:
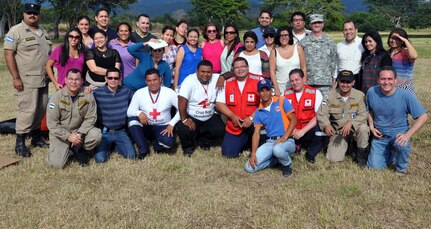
316	18
31	8
263	83
269	30
346	75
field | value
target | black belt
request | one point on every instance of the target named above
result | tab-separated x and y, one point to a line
110	130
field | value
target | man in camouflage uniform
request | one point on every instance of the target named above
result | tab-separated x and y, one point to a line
71	116
26	52
343	116
321	56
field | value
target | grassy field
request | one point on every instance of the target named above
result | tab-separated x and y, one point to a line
206	190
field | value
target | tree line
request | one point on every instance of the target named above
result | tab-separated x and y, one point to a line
382	14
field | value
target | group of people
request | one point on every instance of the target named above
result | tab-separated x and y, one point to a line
283	90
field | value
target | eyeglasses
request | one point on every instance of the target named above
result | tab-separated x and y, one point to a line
157	50
230	32
112	78
268	35
211	31
74	37
240	67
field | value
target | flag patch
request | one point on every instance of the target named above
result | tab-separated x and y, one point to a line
51	106
9	39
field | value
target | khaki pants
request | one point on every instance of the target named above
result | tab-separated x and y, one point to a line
338	144
31	107
59	149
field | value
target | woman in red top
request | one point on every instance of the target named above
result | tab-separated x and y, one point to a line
212	47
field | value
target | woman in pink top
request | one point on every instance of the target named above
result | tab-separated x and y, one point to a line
65	57
212	47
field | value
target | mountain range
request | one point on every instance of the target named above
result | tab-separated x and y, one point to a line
161	7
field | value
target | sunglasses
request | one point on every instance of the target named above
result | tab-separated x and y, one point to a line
230	32
269	35
211	31
74	37
157	50
112	78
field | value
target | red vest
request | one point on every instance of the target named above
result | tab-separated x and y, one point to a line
304	109
243	104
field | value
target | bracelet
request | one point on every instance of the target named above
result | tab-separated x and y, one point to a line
185	120
251	118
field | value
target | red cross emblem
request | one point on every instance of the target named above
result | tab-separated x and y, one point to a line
154	113
204	103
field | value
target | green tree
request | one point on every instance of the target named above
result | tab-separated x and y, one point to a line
282	9
397	11
218	11
366	21
70	10
422	17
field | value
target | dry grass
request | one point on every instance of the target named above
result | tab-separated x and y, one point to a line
170	191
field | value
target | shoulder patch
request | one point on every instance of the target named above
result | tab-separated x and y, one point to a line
288	92
67	103
51	106
254	77
30	38
310	91
9	39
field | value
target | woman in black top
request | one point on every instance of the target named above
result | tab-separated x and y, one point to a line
99	59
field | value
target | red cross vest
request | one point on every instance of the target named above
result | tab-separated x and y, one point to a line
305	107
243	104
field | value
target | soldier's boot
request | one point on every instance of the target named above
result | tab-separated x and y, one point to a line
361	157
20	147
37	141
82	157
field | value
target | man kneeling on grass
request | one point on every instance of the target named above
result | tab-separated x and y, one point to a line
71	116
389	107
272	112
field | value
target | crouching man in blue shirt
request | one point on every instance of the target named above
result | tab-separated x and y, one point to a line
272	112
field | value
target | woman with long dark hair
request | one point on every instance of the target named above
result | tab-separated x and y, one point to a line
66	56
403	56
84	26
258	61
373	58
232	45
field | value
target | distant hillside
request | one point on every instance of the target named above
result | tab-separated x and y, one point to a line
161	7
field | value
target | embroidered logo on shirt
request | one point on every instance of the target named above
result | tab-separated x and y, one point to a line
65	102
9	39
30	38
307	103
277	108
250	98
231	98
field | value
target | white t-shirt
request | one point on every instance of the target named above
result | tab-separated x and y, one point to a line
254	63
201	98
221	94
159	112
349	55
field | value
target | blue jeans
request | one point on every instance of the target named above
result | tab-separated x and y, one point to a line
269	154
386	151
123	146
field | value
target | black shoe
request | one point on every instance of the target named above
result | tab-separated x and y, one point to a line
36	140
205	147
361	157
141	157
20	147
82	157
287	171
310	160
